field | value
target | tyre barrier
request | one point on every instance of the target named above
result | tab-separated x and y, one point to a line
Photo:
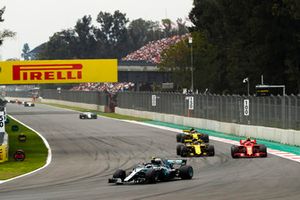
19	155
22	138
15	128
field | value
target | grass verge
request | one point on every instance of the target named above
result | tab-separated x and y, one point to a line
111	115
35	150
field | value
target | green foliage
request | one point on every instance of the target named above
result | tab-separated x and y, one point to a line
178	60
112	37
4	33
249	38
26	52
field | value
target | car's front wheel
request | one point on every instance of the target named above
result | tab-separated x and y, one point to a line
186	172
120	174
151	176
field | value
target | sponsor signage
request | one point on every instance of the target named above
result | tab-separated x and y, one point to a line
246	107
2	122
58	71
153	97
191	102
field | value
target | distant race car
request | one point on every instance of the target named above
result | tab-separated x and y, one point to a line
190	135
195	148
87	115
12	101
156	170
29	104
20	102
248	149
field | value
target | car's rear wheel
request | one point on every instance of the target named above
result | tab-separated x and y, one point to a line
184	151
211	150
186	172
263	149
178	149
234	149
178	137
120	174
204	138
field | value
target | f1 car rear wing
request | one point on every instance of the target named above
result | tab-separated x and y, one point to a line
177	161
192	140
244	141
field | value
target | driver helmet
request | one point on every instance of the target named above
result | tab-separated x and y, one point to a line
192	130
156	161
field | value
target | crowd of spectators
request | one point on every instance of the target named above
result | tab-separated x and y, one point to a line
104	87
151	52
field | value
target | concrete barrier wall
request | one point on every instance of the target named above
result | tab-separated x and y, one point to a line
75	104
60	102
291	137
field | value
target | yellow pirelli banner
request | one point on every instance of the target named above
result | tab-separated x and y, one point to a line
58	71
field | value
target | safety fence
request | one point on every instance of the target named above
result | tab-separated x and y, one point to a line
271	111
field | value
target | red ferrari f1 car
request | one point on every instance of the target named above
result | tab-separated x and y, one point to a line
248	149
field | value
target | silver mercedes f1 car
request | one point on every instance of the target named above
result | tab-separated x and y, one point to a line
155	171
87	115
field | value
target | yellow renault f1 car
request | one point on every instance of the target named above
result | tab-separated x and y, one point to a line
195	148
192	134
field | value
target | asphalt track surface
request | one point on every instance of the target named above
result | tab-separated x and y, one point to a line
87	152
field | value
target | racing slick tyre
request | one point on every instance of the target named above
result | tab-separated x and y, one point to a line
95	117
179	137
234	149
120	174
263	149
151	176
184	151
178	149
204	138
211	150
186	172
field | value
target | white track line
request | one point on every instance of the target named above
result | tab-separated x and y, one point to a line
282	154
49	158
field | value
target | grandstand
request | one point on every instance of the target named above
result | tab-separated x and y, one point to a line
138	71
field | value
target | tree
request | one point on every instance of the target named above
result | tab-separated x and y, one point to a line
177	59
181	27
113	32
250	38
86	42
138	33
62	45
26	52
167	27
5	33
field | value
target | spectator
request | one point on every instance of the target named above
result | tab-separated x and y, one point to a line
104	87
151	51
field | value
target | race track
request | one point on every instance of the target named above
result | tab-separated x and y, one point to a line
87	152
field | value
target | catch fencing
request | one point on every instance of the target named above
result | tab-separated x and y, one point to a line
270	111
